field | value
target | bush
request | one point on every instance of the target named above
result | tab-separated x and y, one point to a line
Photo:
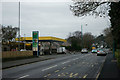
117	56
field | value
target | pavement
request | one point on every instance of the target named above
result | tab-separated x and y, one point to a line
110	69
65	66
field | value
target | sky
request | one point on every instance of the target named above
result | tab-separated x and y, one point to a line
50	19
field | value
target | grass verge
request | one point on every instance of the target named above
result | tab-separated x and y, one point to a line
117	56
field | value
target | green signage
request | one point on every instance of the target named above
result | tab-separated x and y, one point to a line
35	40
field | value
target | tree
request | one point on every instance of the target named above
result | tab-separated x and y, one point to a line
9	33
102	9
114	13
108	37
90	8
76	41
88	40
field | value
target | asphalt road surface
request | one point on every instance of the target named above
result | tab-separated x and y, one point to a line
69	66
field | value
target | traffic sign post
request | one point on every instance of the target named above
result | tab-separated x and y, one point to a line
35	40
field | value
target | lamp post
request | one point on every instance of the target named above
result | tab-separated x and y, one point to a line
113	47
19	27
82	35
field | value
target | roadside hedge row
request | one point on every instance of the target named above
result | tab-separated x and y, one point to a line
15	55
117	55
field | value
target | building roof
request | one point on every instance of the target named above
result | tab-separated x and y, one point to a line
42	39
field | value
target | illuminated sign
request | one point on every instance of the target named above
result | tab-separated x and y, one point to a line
35	40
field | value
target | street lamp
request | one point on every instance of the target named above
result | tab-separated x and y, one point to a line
82	35
19	27
113	45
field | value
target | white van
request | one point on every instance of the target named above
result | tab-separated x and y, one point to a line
61	50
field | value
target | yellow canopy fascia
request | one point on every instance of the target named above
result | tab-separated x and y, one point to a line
41	38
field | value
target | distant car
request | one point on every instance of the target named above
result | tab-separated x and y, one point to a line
94	51
101	52
84	50
107	50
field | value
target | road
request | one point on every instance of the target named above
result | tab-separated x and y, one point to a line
70	66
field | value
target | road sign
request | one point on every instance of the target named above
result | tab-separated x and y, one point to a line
35	37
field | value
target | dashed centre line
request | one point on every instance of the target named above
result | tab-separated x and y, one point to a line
75	58
49	68
65	62
22	77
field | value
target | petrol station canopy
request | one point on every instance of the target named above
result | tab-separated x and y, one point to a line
42	39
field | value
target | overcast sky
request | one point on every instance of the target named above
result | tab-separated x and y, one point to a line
50	19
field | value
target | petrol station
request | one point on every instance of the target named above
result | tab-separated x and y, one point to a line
37	42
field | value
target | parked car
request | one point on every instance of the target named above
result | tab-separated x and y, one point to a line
94	51
84	50
101	52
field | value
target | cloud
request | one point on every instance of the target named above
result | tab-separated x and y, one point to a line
51	19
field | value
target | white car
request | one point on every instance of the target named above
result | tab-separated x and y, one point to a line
94	51
84	50
101	52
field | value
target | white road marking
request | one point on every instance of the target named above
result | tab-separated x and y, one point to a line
65	62
75	58
49	68
22	77
92	65
97	76
57	70
85	76
64	67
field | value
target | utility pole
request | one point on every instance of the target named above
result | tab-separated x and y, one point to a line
19	26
